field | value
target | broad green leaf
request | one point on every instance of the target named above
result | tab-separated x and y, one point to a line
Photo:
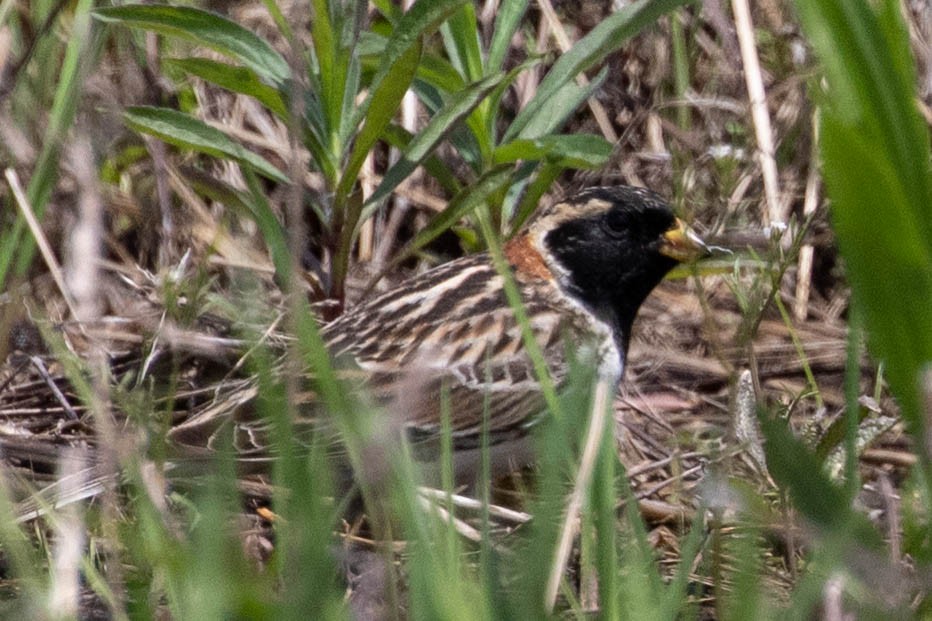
507	21
875	149
872	77
187	132
232	78
569	151
422	19
207	29
383	106
604	39
562	104
461	39
888	259
427	139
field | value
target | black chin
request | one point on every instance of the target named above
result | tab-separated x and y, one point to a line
611	277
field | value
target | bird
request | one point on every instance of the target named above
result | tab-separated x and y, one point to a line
582	266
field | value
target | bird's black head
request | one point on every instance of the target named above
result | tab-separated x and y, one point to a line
610	246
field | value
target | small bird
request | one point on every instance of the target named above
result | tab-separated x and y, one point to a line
583	267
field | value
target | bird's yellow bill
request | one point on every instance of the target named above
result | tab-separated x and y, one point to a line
682	244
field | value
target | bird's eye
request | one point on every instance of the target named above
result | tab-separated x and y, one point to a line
617	223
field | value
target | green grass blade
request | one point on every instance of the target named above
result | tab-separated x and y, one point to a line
351	85
383	105
399	138
604	39
559	108
427	139
461	37
254	205
40	186
462	204
547	173
875	149
187	132
796	469
422	19
507	21
327	52
274	234
584	151
207	29
439	73
232	78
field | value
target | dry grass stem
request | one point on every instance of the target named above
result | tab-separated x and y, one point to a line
48	255
601	402
807	251
775	212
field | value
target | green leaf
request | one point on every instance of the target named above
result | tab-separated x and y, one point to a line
546	175
326	50
462	204
439	73
875	149
400	138
825	505
563	104
604	39
567	150
350	92
334	40
181	130
422	19
237	79
461	38
507	21
207	29
382	107
426	140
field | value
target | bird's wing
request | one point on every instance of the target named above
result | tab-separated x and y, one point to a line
451	337
460	345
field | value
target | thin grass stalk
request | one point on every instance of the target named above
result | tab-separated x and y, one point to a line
680	68
601	403
775	213
79	52
810	204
